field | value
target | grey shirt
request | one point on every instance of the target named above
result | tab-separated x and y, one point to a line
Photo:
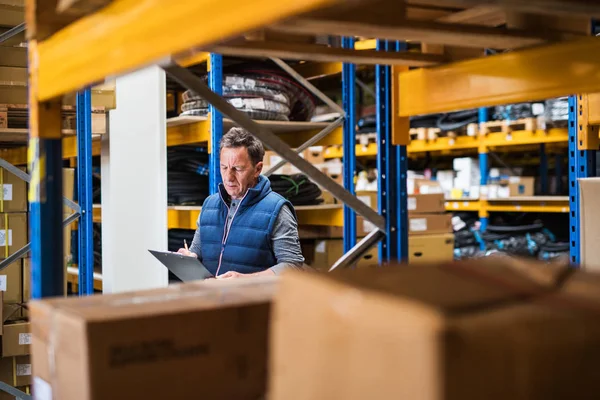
284	239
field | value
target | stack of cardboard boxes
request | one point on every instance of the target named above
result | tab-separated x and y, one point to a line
15	367
430	233
430	229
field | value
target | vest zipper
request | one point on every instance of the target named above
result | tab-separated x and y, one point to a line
226	233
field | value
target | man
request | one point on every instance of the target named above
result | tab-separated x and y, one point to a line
245	229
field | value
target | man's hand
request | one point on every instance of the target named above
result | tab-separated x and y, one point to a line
232	274
186	252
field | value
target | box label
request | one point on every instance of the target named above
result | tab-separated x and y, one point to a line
7	190
412	203
418	224
24	339
320	247
3	237
368	227
3	283
23	369
42	389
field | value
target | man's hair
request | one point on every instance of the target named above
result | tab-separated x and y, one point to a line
238	137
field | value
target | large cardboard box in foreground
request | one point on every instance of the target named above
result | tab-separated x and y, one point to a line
589	223
456	331
188	341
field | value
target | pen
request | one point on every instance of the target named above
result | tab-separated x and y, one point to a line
185	244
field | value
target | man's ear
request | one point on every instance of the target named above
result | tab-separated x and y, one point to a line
259	167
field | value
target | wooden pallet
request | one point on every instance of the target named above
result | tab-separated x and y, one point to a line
14	119
506	126
436	133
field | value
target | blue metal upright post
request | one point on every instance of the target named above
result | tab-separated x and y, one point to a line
85	191
215	82
45	198
582	164
543	169
392	164
484	169
349	142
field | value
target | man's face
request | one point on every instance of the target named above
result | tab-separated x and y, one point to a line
237	171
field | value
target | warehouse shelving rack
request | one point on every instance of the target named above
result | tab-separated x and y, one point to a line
58	69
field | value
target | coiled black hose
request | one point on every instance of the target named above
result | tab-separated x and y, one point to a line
456	120
298	189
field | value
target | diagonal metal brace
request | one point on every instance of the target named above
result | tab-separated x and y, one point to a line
326	131
25	249
4	387
27	178
352	257
312	88
272	141
12	32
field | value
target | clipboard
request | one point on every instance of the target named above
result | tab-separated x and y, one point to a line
184	267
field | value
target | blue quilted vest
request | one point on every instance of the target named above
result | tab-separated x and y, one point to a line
247	247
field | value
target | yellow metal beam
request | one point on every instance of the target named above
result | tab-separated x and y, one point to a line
530	205
444	144
182	217
328	215
521	138
190	133
18	155
594	108
296	139
361	151
463	205
533	74
108	42
192	58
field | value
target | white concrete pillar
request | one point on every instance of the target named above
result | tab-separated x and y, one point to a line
134	184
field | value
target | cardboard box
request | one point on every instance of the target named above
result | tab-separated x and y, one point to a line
15	371
430	248
16	339
422	186
475	330
425	224
314	155
521	186
13	233
327	252
194	340
11	282
589	193
13	195
426	203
